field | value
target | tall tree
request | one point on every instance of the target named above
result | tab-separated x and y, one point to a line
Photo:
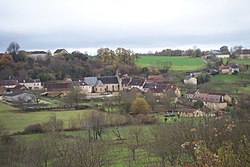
13	48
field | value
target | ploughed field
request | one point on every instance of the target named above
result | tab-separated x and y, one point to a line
179	63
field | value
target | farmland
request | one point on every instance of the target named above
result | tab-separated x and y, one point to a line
178	63
239	61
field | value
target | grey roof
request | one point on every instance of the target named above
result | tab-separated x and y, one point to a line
108	79
90	80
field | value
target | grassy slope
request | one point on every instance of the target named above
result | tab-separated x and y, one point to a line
239	61
179	63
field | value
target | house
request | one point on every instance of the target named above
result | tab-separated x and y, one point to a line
175	89
186	112
245	54
21	96
193	73
156	78
137	83
32	84
225	69
190	80
125	83
191	93
212	101
158	91
37	55
225	96
8	84
110	83
60	52
89	84
57	88
221	56
234	67
229	68
99	87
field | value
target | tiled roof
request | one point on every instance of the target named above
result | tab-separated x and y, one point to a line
191	91
90	80
59	50
137	82
126	81
233	65
245	51
38	52
108	79
8	82
56	86
150	85
212	98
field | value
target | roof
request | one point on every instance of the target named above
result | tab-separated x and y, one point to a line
18	93
156	90
26	80
59	50
245	51
137	81
108	79
135	90
191	91
156	78
8	82
55	86
90	80
172	87
38	52
212	98
126	80
225	67
150	85
233	65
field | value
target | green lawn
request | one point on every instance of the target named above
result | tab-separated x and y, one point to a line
178	63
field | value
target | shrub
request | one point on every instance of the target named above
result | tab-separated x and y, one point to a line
35	128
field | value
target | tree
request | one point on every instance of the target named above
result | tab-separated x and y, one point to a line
13	48
151	99
168	99
224	50
74	96
140	106
134	140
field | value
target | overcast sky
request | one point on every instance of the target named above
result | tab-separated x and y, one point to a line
141	25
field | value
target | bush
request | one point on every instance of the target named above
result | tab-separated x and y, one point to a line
81	107
35	128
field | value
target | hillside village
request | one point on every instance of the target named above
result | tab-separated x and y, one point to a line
121	111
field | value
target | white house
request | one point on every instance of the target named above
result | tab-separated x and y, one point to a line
190	80
221	56
38	55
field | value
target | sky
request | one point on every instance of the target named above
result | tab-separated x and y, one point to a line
139	25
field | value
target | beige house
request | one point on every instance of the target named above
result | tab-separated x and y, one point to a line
189	80
110	83
211	101
99	87
191	113
221	56
32	84
245	54
60	52
38	55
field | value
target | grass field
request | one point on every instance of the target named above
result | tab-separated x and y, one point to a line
230	78
15	121
239	61
178	63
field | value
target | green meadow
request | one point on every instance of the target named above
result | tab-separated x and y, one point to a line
179	63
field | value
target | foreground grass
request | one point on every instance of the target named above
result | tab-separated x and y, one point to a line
178	63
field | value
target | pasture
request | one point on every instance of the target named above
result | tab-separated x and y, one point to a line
178	63
15	121
239	61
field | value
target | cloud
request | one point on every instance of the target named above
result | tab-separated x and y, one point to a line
46	24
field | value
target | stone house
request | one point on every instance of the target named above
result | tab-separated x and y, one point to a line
245	54
32	84
37	55
189	80
110	83
137	83
60	52
191	93
211	101
225	69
